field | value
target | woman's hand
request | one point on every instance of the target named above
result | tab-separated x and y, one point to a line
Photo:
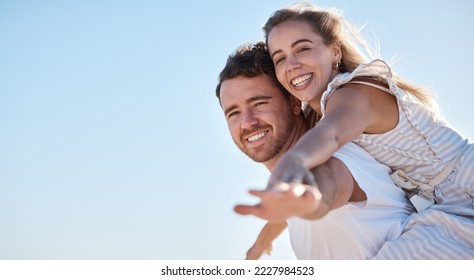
283	201
291	169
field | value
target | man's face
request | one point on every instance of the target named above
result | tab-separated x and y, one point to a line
260	119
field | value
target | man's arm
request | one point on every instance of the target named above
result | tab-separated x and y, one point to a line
337	187
264	241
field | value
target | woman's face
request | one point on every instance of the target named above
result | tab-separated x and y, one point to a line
303	63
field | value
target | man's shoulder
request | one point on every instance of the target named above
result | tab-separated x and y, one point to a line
351	149
353	155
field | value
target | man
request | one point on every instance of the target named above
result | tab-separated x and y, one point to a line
348	210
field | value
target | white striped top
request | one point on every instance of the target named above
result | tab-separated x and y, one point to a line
419	145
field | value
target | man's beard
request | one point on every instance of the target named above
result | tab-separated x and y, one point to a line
264	152
270	149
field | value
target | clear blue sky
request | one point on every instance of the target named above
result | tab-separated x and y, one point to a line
113	145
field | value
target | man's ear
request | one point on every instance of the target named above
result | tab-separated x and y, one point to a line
295	105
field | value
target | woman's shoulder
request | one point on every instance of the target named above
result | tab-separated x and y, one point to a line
376	74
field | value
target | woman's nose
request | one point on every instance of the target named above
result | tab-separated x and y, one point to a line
293	63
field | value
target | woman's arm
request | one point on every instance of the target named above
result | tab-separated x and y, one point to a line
351	111
335	187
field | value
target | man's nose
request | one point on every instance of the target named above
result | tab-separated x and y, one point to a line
248	120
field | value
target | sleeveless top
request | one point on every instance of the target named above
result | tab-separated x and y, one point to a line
419	145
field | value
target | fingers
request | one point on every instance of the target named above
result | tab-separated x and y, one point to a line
282	201
257	210
285	190
292	189
248	209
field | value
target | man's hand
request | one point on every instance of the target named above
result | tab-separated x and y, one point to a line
283	201
256	251
263	244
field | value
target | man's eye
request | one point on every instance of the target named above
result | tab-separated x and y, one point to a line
232	114
260	104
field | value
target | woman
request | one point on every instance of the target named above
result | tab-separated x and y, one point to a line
317	58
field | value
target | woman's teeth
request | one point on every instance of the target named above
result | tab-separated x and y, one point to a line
300	81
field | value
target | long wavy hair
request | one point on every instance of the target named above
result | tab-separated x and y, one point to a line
332	27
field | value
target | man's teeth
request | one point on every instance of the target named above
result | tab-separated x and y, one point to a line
301	80
255	137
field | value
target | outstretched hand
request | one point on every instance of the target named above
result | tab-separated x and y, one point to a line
283	201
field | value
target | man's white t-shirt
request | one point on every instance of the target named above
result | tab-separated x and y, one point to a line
355	230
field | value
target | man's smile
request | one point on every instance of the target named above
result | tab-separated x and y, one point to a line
256	137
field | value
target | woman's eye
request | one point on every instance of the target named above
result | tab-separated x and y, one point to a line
302	49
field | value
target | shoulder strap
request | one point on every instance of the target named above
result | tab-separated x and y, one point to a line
370	82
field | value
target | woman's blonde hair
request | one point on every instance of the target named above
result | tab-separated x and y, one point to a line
332	27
